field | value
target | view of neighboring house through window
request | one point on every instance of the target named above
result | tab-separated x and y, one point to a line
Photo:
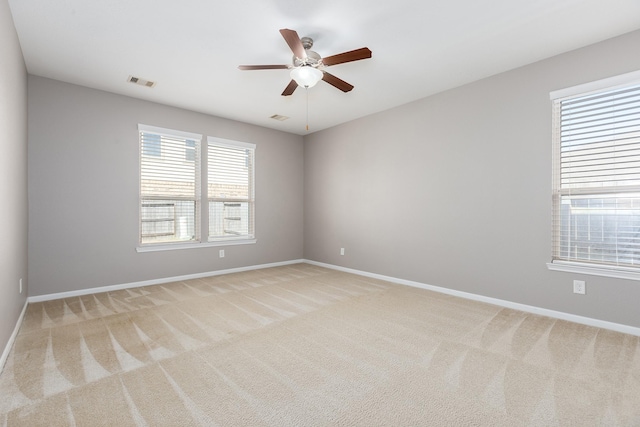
169	185
596	180
230	191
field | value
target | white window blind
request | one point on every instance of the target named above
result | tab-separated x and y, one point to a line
596	177
169	185
230	189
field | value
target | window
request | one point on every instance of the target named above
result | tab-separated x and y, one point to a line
171	188
169	185
596	175
230	189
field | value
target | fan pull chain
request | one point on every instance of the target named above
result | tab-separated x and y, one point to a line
307	90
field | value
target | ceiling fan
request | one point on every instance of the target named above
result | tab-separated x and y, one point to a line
308	67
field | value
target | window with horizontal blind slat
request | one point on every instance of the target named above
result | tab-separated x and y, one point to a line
230	190
169	187
596	193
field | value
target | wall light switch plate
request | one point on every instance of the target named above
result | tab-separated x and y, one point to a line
221	253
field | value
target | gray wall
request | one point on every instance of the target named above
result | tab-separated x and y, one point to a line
83	189
13	176
455	190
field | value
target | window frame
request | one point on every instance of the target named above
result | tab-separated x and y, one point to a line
577	266
201	212
250	200
169	183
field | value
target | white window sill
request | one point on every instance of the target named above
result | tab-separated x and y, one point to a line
595	270
194	245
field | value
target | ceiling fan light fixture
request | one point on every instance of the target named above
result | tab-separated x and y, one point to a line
306	76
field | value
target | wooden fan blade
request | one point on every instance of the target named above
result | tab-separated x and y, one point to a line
292	39
352	55
336	82
262	67
290	88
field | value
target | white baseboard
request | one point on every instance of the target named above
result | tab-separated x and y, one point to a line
627	329
12	338
160	281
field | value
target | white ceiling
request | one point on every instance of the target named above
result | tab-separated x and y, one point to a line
192	48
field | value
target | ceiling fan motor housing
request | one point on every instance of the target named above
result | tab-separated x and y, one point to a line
312	59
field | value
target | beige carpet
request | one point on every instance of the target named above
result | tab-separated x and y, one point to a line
306	346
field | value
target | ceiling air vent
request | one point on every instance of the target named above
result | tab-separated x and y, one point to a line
141	82
279	117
